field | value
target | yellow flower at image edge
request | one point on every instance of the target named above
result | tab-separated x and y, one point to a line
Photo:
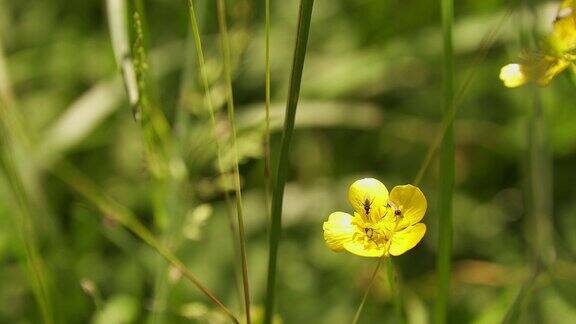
383	224
558	54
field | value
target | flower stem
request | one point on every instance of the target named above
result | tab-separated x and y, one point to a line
304	18
367	292
394	288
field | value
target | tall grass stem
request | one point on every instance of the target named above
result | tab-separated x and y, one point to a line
447	120
225	47
267	175
79	182
303	29
203	75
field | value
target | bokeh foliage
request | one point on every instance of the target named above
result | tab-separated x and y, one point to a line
370	105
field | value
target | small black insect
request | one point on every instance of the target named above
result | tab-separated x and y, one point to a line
369	232
367	205
397	212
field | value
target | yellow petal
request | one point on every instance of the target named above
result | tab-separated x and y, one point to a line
563	36
361	249
338	230
410	202
406	239
512	75
367	196
565	4
537	68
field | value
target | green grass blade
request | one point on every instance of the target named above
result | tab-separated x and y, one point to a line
82	184
203	75
515	309
153	124
447	120
225	48
267	175
154	128
304	18
367	292
37	272
444	256
12	134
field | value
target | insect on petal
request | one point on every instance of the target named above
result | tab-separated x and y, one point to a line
367	196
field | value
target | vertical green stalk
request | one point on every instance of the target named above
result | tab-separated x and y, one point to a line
208	98
395	291
304	18
153	124
154	127
367	292
267	175
443	261
225	47
447	120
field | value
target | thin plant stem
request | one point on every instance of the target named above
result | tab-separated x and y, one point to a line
484	47
447	172
303	29
367	292
225	47
79	182
37	272
12	133
515	309
267	176
208	99
394	288
154	127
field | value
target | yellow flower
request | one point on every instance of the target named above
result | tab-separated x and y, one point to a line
559	53
383	224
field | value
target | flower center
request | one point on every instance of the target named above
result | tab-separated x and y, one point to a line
372	236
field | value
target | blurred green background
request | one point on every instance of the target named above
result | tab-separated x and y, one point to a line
370	106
